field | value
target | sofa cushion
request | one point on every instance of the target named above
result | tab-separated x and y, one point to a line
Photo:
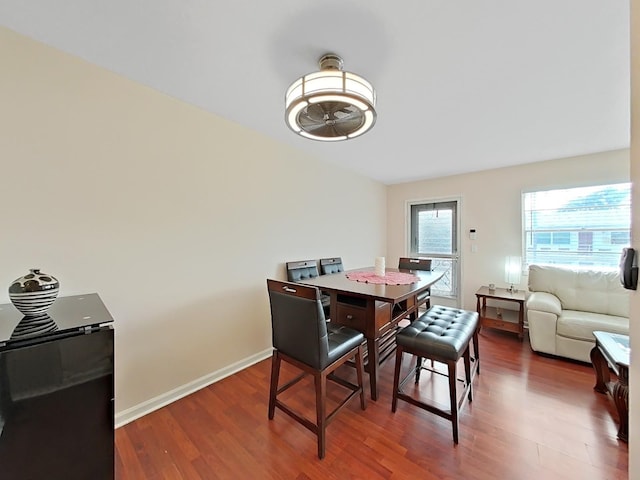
581	325
583	290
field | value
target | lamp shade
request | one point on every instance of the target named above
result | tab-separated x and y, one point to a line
513	270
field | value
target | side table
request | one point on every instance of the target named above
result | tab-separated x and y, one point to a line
500	318
612	350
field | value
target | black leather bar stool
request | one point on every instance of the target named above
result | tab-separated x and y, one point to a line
303	269
302	337
408	263
331	265
442	334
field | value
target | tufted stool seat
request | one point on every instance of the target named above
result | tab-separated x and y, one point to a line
442	334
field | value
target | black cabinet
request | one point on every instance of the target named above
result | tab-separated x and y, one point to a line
57	392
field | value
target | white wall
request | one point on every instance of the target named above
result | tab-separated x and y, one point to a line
491	203
174	216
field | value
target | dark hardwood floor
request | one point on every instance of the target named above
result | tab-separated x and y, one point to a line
532	417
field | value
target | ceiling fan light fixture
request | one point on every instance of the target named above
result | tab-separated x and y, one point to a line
324	139
330	105
369	120
292	115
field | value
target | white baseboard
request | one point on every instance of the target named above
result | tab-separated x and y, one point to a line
137	411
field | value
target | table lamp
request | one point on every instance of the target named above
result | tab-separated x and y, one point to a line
512	272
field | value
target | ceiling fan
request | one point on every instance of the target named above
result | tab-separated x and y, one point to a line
331	104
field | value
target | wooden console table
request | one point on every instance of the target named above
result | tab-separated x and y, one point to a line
612	350
501	318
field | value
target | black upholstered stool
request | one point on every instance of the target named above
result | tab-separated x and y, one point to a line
442	334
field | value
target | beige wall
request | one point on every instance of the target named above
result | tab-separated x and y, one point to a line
174	216
491	203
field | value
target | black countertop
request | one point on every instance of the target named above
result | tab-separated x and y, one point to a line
66	315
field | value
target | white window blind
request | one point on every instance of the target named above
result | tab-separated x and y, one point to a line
586	226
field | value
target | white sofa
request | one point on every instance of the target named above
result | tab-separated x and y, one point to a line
566	306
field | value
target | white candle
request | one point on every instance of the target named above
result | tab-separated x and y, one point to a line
379	266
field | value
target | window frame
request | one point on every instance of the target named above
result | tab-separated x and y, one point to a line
455	277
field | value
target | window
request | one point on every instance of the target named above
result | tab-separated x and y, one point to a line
434	235
620	238
577	226
543	238
561	238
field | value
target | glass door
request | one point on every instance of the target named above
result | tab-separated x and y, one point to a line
434	235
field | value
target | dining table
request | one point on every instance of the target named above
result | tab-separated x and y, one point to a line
374	305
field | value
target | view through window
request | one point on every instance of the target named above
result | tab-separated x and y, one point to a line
434	235
586	226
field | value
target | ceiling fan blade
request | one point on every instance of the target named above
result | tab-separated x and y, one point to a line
334	107
314	112
350	125
347	114
330	119
306	122
327	131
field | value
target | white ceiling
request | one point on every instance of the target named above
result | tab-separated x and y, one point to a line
462	85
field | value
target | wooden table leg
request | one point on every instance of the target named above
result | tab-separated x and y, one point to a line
479	313
620	394
601	368
619	390
521	322
372	363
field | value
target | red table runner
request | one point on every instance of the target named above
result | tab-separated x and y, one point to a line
390	278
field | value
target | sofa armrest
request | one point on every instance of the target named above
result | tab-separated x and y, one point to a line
544	302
